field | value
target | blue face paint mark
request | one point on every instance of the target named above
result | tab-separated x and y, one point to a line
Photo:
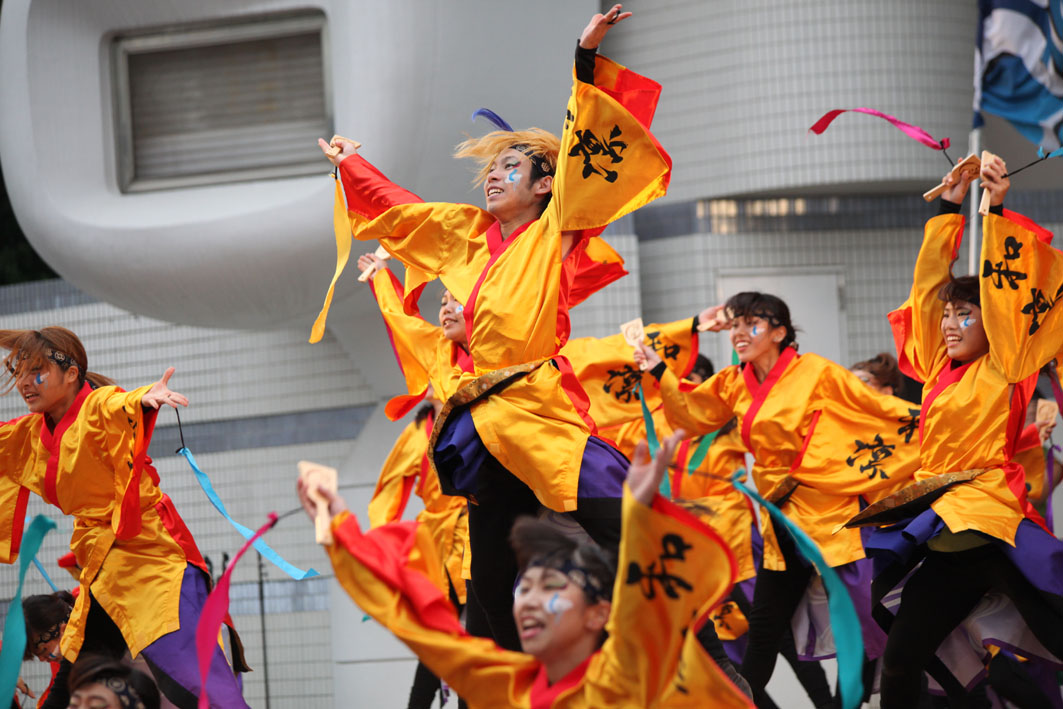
557	605
756	330
39	379
513	176
967	322
459	309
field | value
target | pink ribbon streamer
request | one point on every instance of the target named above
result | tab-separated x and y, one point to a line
214	611
913	132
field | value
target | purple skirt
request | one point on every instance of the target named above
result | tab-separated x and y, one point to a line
1037	555
460	454
174	654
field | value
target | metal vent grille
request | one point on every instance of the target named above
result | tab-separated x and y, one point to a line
222	103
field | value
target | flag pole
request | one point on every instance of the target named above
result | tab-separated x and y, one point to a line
974	142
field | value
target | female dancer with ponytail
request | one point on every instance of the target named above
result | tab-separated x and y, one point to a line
83	448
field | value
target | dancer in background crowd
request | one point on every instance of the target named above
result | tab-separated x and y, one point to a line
977	343
83	448
881	373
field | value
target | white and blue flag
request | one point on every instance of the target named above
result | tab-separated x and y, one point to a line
1018	67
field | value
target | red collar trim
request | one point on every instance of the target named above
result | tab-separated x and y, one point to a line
51	440
496	246
543	694
947	378
760	390
460	357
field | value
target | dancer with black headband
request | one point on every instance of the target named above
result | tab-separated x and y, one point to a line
822	441
977	343
518	434
83	448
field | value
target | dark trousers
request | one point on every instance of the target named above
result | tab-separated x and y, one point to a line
502	499
774	602
937	597
426	685
809	672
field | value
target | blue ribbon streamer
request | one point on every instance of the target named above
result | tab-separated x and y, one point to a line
1054	154
848	636
264	549
40	567
14	638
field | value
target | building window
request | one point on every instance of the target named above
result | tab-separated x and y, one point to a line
220	102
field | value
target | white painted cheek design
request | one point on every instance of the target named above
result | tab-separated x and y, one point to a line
459	309
967	322
513	176
756	330
41	379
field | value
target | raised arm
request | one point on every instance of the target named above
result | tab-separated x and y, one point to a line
414	340
609	163
398	476
1021	286
698	410
917	323
392	574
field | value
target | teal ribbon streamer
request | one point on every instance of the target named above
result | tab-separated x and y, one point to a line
652	441
848	637
1054	154
701	451
14	638
264	549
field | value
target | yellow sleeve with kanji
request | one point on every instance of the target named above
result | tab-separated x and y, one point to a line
605	368
1021	286
917	323
609	164
863	443
398	476
671	568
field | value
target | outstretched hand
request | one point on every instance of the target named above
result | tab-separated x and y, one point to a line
596	29
347	149
644	475
336	504
160	393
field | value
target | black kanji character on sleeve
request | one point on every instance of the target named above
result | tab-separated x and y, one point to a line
878	450
909	425
621	383
1039	305
1002	271
673	548
588	145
